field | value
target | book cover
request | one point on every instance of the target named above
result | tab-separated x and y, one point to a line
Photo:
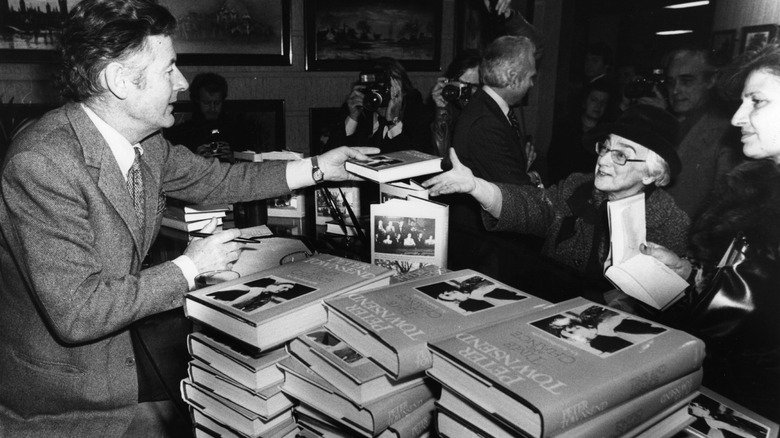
395	166
538	371
315	424
267	403
414	425
409	234
368	419
393	325
716	415
325	211
246	365
208	427
182	225
274	306
290	205
401	189
641	276
600	422
226	412
360	379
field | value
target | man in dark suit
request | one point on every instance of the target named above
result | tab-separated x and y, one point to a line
81	200
488	138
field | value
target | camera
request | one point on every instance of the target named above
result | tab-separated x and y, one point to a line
376	88
455	91
641	86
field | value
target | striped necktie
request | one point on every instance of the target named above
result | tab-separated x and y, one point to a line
515	124
135	185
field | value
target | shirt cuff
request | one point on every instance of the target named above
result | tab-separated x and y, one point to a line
350	125
188	269
395	130
299	174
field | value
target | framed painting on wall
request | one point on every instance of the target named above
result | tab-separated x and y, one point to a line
210	32
345	35
756	37
723	43
476	27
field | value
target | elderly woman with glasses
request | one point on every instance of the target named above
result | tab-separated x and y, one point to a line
635	154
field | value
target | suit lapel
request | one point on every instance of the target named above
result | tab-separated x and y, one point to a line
105	171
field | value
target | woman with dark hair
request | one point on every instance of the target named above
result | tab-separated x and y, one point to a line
399	122
743	362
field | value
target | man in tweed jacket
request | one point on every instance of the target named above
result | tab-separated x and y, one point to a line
71	242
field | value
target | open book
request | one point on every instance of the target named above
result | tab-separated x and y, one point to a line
638	275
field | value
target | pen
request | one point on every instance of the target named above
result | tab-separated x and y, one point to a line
237	239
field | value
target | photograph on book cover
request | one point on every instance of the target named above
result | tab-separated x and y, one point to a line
324	211
470	294
598	330
347	34
713	418
338	347
261	293
405	240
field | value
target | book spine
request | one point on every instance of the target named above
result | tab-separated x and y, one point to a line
617	421
393	409
413	425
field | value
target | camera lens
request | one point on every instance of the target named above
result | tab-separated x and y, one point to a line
372	101
450	93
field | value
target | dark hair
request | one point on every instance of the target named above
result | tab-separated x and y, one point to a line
98	32
734	76
601	49
211	82
396	70
467	59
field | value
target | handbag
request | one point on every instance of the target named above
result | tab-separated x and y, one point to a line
741	298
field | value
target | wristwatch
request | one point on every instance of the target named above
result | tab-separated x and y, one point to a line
316	172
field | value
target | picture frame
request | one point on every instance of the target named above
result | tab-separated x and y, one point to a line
346	35
475	27
265	120
755	37
255	32
722	46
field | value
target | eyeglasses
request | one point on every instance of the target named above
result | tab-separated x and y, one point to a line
618	157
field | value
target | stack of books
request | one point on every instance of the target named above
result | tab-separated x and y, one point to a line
574	369
183	217
234	379
344	393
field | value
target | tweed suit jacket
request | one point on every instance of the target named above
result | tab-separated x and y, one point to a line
70	281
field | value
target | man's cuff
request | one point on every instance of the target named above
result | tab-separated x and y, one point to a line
299	174
395	130
350	125
188	269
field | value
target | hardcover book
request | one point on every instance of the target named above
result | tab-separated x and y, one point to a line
367	419
393	325
273	306
315	424
714	413
207	427
182	225
639	275
417	424
360	379
401	189
409	234
226	412
537	372
395	166
267	403
246	365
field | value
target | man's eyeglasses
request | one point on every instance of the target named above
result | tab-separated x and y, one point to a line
618	157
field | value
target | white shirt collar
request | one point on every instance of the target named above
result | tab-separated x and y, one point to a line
499	100
123	151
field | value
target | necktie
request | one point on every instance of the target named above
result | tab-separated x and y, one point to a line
135	185
513	120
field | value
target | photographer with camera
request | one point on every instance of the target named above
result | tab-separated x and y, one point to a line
384	110
709	145
450	94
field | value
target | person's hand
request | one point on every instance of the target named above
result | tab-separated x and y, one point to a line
332	162
657	99
355	102
396	100
215	252
436	93
458	180
679	265
503	7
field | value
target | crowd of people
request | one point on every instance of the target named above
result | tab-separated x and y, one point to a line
83	190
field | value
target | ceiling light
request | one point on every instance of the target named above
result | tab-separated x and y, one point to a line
688	4
673	32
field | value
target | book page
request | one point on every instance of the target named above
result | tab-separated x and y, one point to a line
627	227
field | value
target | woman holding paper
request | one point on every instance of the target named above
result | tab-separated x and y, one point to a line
635	154
743	358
